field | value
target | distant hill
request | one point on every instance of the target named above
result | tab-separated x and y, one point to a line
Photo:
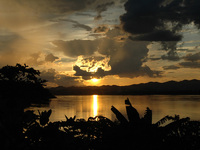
185	87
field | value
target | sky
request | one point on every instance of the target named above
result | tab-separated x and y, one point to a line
102	42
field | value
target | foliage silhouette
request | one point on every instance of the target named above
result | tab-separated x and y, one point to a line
36	132
21	85
140	133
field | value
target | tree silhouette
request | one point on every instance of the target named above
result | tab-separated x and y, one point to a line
20	73
21	84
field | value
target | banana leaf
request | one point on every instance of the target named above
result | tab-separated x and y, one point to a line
119	116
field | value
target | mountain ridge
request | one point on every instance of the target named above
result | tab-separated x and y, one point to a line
185	87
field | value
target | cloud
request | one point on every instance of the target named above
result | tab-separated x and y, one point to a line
160	20
171	67
170	47
154	59
85	75
190	61
48	75
76	24
25	13
146	71
66	60
126	59
171	55
101	29
145	17
91	64
76	48
90	67
55	78
190	65
51	58
64	80
158	35
12	48
84	14
101	8
89	75
7	39
35	59
192	57
54	6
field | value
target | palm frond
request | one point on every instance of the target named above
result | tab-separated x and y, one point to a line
148	116
119	116
132	113
166	118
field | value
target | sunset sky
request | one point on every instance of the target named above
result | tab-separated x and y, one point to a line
102	42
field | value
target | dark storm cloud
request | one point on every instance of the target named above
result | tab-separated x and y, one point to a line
51	58
144	16
158	35
126	58
123	1
159	20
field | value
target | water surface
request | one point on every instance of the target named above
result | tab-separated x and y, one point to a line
92	105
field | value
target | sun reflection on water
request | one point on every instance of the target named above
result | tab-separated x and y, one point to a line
95	105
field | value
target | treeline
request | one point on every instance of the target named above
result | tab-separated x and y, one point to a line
152	88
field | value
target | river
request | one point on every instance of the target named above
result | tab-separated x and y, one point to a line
92	105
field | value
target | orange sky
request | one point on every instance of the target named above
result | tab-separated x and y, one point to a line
117	42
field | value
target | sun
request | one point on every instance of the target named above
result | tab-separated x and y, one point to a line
94	80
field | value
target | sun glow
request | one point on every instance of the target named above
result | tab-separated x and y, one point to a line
95	105
94	80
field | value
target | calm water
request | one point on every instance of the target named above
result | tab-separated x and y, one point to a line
87	106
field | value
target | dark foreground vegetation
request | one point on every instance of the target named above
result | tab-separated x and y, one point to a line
34	131
20	86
